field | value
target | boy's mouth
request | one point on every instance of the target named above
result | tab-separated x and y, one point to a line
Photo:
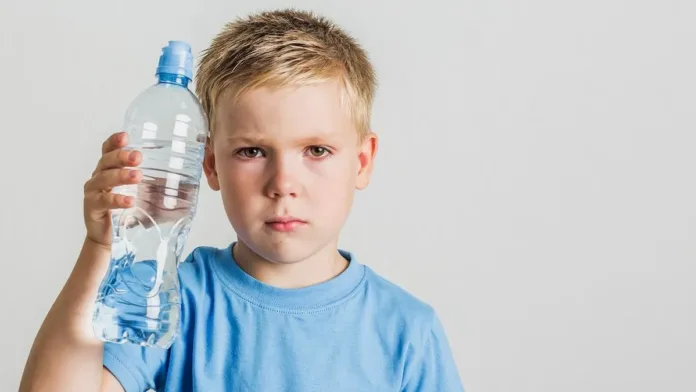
285	223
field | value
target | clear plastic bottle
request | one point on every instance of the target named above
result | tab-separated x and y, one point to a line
139	300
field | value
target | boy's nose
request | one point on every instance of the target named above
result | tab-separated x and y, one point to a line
282	181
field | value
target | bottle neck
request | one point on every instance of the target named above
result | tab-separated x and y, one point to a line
180	80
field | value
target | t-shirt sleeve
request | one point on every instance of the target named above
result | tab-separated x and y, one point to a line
137	368
432	368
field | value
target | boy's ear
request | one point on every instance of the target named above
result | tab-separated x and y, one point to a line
209	167
366	158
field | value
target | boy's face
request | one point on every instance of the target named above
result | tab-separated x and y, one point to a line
287	162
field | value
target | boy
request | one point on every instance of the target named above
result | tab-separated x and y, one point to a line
288	95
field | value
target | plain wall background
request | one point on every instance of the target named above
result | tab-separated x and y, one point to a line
534	182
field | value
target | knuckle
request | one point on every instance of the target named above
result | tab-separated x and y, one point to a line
92	182
101	163
102	180
125	156
116	200
110	159
101	177
105	199
113	178
91	202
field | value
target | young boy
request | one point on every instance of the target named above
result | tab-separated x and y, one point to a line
289	96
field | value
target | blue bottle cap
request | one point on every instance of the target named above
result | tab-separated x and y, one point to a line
176	59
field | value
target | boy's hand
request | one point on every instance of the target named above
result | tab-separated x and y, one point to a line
110	172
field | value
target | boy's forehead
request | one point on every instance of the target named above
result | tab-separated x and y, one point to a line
303	111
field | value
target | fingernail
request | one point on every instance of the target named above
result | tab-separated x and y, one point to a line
132	174
132	156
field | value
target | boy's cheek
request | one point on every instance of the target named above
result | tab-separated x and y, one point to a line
333	197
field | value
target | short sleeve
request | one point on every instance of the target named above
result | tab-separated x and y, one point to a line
137	368
433	367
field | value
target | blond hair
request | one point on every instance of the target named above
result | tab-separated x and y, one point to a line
281	48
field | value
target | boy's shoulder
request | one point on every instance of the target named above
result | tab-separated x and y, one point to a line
396	304
390	293
195	271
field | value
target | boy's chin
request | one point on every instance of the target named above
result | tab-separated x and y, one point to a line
287	251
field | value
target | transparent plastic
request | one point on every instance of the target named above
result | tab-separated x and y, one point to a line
139	298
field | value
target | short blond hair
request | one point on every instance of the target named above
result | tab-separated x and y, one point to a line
281	48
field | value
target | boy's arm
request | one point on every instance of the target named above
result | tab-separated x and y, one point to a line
110	383
66	356
432	368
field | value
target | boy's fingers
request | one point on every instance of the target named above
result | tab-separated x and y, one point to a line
108	179
118	158
114	141
99	203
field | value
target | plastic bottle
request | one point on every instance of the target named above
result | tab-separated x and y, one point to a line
139	300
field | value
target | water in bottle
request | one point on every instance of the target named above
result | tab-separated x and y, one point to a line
139	300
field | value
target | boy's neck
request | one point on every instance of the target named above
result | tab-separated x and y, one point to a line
320	267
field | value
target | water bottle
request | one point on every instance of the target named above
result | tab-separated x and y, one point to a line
139	300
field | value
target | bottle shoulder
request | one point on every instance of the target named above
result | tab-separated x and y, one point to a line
164	95
166	105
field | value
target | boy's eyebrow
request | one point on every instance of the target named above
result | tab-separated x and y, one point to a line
260	140
318	139
245	140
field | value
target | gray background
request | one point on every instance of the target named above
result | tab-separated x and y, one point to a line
534	183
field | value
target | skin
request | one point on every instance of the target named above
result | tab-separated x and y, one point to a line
288	152
66	356
292	151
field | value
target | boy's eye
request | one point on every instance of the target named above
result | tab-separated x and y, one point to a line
250	152
318	151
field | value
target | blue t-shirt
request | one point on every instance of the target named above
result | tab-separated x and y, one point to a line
355	332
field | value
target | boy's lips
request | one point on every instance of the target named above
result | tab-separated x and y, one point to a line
285	223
